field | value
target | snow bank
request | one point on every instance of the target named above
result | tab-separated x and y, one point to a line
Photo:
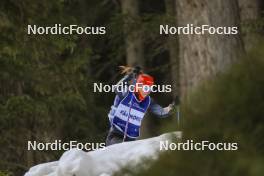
103	162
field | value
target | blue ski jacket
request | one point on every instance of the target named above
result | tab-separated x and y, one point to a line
127	112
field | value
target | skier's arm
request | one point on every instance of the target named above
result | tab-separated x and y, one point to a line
158	110
123	83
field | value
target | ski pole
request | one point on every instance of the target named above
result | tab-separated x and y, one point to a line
177	103
136	71
178	115
125	133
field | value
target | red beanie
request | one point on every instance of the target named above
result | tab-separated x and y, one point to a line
143	79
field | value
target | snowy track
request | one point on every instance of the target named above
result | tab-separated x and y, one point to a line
103	162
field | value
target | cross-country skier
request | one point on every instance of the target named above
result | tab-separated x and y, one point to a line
129	107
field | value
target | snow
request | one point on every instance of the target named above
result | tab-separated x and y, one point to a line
104	162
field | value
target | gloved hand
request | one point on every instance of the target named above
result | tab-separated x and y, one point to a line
169	108
137	70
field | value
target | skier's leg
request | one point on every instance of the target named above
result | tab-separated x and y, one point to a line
113	138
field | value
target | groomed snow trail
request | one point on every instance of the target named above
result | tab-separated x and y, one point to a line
104	162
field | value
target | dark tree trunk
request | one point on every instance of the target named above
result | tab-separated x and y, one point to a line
249	13
173	50
203	56
133	38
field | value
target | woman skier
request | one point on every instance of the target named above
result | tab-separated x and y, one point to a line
130	106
